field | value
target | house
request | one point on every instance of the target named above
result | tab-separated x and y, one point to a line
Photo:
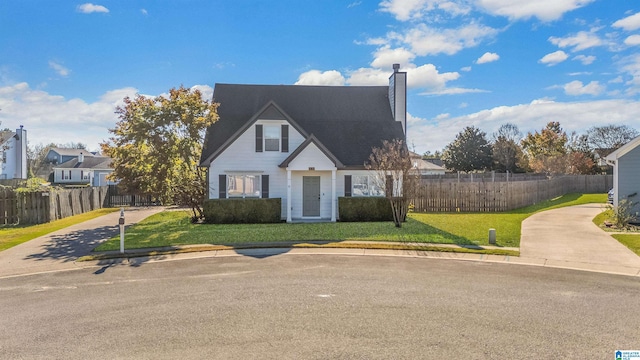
626	172
83	170
13	154
307	145
425	167
58	155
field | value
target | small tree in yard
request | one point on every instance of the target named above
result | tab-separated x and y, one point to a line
393	166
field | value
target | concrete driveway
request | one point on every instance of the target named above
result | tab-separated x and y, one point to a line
60	249
568	235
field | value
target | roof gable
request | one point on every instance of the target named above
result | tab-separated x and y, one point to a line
347	120
311	140
624	149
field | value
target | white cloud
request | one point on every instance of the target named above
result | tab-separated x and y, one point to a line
435	134
580	41
385	57
425	40
354	4
576	88
317	77
617	80
205	90
404	10
632	40
487	58
629	23
554	58
466	69
52	118
585	60
368	76
59	69
453	91
545	10
144	12
89	8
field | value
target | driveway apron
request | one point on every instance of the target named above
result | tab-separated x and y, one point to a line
60	249
568	234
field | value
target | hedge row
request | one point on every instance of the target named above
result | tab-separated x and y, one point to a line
365	209
238	211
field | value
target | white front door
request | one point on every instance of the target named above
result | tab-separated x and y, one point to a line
311	196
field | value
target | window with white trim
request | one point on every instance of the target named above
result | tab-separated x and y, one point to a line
271	138
365	185
243	186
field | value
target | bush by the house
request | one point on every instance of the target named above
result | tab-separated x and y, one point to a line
364	209
242	211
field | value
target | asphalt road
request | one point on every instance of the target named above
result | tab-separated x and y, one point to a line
318	307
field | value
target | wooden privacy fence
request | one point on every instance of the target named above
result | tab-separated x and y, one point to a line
40	207
493	196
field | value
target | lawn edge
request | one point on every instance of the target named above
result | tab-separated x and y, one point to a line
171	250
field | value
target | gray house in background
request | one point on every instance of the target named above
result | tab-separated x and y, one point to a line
626	174
57	155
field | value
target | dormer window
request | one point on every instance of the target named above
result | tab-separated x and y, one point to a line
271	138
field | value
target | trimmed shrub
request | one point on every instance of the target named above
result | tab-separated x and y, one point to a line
364	209
242	211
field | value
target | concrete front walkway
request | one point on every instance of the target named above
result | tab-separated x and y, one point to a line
60	249
568	236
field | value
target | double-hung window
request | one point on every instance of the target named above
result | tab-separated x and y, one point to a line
243	186
365	185
271	138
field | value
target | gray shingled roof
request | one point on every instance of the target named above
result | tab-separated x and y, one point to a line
71	152
5	135
90	162
348	120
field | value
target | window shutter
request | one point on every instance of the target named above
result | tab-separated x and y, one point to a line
258	138
285	138
347	185
265	186
389	185
222	186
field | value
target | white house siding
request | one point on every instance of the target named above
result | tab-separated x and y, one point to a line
311	162
241	157
628	168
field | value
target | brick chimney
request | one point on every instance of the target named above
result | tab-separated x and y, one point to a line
398	96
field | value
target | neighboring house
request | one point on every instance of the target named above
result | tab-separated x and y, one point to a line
13	154
626	172
307	145
83	170
425	167
57	155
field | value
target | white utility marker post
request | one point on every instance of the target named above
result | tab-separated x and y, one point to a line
492	236
121	223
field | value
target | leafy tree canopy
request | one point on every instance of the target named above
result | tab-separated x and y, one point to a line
156	146
470	151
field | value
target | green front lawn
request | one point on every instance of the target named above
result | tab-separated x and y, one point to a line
11	235
632	241
173	228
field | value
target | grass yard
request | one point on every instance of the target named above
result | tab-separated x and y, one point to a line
173	228
11	236
632	241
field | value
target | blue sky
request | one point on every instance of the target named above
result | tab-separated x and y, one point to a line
65	65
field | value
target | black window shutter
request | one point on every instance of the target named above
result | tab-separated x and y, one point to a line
222	186
285	138
347	185
265	186
389	185
258	138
